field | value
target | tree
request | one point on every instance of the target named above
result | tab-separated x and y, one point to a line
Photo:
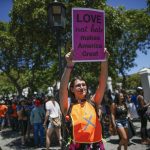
126	37
148	5
28	49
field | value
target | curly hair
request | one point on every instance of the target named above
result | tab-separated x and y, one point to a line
117	97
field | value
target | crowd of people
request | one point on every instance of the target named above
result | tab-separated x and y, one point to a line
28	116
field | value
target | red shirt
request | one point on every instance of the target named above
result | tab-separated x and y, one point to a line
3	110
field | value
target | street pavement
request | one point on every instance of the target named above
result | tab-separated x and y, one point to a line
10	140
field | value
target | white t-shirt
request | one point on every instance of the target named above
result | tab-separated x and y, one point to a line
54	111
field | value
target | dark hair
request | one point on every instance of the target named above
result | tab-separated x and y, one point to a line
72	84
117	96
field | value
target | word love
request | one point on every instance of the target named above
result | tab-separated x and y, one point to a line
89	18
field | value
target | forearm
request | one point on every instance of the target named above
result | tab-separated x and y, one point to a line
63	92
46	117
147	105
103	75
102	82
113	120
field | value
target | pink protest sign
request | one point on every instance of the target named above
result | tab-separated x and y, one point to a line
88	34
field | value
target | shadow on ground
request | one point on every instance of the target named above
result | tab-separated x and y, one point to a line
8	134
14	140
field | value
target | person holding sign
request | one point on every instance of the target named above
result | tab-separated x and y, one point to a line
86	129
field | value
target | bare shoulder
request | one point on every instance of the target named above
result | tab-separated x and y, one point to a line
113	106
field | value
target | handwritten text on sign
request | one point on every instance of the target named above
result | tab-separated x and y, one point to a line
88	34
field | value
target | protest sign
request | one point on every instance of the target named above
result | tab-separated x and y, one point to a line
88	34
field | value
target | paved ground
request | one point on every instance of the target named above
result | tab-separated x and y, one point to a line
11	141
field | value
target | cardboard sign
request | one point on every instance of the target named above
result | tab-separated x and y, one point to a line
88	34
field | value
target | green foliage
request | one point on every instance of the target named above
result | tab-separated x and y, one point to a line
148	5
6	86
126	37
133	81
28	47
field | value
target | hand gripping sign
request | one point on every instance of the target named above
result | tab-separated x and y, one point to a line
88	34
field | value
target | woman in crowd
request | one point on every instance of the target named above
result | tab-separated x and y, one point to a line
22	118
142	108
119	114
52	111
86	128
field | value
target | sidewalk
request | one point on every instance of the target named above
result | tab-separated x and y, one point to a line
135	143
10	140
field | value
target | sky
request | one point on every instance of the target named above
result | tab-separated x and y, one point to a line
142	60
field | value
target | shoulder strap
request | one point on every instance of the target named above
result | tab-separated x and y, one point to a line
96	107
70	108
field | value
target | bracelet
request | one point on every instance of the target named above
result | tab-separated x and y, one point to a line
69	67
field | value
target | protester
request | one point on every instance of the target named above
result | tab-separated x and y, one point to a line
3	110
132	108
22	118
14	116
142	113
86	127
29	108
106	117
9	112
119	113
36	118
52	111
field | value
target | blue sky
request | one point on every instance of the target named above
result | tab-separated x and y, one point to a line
5	7
141	61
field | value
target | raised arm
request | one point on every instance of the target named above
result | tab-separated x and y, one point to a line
63	92
102	81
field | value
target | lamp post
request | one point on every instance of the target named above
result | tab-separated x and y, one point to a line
56	21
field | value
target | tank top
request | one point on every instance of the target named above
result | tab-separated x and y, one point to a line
121	112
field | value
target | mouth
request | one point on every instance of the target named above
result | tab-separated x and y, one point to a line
82	91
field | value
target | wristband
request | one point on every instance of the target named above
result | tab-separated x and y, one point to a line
69	67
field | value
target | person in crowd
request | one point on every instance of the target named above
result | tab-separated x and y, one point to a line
36	118
9	112
14	116
3	111
52	111
119	114
131	107
29	108
142	108
22	118
86	128
134	99
106	103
